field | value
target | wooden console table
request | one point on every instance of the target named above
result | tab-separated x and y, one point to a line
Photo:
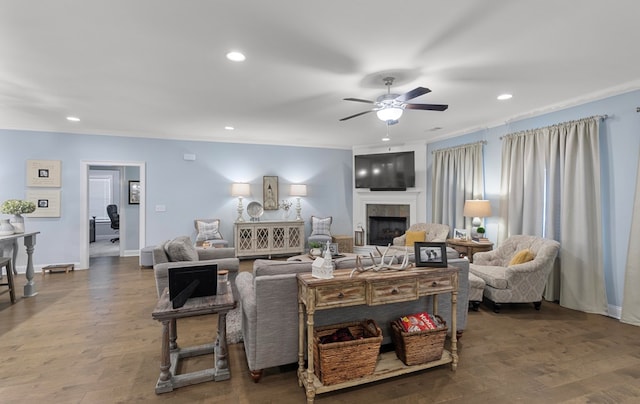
467	248
171	353
370	288
269	237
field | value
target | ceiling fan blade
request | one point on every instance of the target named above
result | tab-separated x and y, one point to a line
353	116
429	107
416	92
358	100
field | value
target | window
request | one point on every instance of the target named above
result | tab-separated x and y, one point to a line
100	195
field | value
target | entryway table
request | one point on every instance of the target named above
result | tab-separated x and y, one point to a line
10	242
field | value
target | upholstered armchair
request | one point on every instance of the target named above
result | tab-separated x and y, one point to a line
320	229
517	271
434	232
209	230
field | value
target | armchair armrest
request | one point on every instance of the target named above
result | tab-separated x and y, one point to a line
487	258
400	240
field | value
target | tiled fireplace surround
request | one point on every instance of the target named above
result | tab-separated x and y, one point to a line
398	205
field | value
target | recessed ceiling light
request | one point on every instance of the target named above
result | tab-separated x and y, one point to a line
73	119
236	56
386	139
503	97
229	128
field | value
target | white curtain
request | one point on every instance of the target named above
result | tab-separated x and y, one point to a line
551	188
631	298
457	176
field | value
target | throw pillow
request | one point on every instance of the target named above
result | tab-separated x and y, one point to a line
208	231
320	226
413	236
521	257
181	249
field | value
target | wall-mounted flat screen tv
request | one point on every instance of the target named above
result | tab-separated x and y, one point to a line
385	171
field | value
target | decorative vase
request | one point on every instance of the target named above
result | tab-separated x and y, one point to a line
285	214
17	221
315	252
6	229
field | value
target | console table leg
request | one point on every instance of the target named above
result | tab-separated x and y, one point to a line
30	286
220	357
173	335
164	384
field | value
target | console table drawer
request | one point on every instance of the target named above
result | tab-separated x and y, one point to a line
383	292
347	294
432	285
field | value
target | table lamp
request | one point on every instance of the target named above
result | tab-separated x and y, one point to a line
298	190
240	190
476	208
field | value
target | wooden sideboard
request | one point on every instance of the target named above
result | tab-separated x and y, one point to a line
370	288
269	238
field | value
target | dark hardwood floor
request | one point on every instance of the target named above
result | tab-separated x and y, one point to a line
88	337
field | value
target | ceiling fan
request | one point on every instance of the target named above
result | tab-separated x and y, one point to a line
389	107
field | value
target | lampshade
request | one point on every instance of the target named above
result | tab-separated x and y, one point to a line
477	208
239	189
389	114
298	190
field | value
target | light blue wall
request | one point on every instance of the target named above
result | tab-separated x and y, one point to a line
620	148
188	189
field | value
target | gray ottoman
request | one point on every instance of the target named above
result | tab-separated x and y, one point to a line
146	258
476	289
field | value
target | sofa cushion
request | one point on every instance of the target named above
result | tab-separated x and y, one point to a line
208	230
321	226
521	257
413	236
181	249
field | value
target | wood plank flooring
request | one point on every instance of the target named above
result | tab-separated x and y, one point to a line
88	337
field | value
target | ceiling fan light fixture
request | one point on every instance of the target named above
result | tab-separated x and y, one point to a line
389	114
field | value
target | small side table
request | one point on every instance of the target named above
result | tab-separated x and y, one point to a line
345	243
467	248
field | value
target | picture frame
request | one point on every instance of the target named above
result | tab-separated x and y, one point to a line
134	192
430	254
270	192
460	234
44	173
333	248
47	203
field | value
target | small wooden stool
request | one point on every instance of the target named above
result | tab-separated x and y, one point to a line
58	268
6	263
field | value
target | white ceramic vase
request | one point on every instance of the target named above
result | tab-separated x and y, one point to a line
6	229
285	214
17	221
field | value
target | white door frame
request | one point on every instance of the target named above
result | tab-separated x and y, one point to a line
84	205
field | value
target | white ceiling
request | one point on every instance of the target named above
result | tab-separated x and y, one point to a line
157	68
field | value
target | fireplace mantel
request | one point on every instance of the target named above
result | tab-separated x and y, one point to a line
366	197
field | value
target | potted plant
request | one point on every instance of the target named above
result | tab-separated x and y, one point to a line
16	208
315	248
480	232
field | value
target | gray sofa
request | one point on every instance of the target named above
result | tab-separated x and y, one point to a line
268	299
189	255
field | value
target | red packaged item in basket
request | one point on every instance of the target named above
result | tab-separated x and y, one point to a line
418	322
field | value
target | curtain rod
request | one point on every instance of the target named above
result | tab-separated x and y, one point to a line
459	146
601	117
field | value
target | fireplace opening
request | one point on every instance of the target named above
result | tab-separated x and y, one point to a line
383	229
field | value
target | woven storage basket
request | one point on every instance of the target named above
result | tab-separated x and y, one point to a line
415	348
337	362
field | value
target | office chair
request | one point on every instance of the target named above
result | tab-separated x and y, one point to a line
112	211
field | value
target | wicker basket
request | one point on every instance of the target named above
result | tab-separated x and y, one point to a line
337	362
418	347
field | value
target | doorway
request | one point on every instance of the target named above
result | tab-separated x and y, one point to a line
131	234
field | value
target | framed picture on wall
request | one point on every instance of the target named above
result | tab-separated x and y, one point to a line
134	192
270	192
43	173
47	202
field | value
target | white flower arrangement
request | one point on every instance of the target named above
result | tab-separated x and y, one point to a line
17	207
286	204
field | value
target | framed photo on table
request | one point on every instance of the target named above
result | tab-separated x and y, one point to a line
134	192
460	234
429	254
